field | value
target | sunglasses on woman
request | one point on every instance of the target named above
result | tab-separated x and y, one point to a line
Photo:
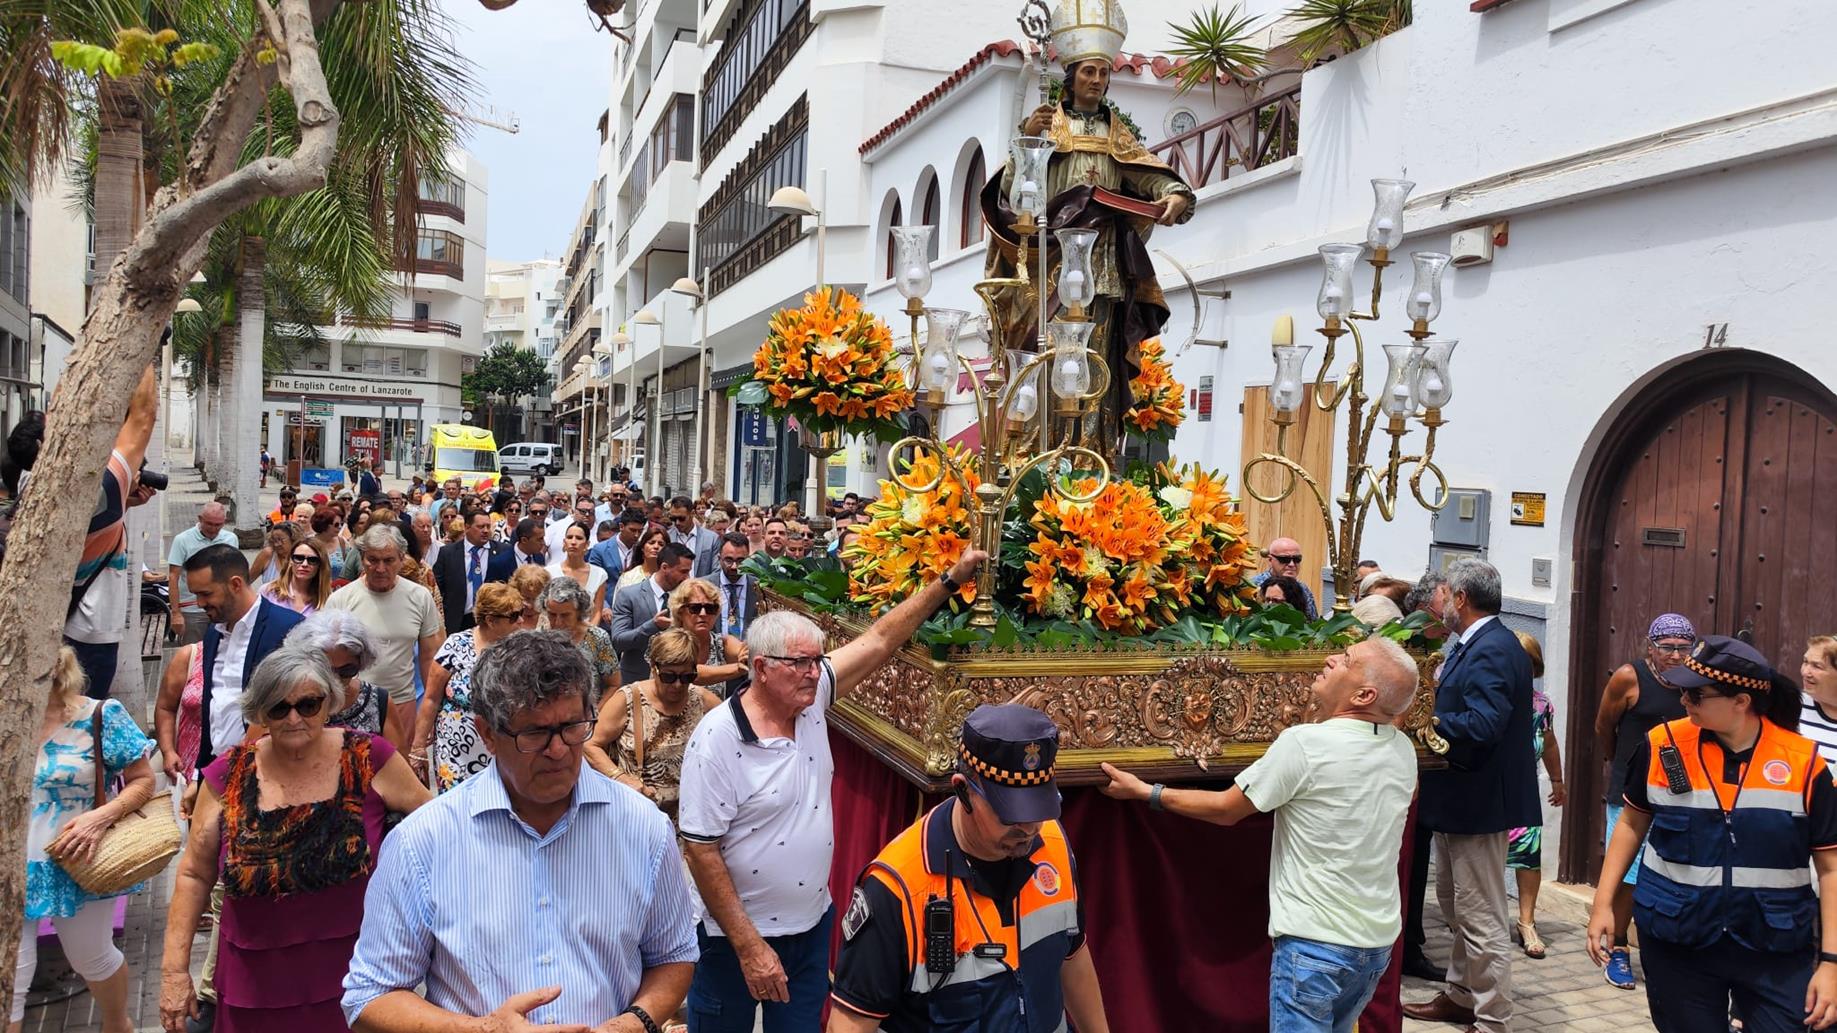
307	559
307	707
674	677
706	609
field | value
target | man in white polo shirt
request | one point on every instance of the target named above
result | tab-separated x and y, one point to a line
756	821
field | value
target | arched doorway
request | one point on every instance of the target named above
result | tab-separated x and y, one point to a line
1711	496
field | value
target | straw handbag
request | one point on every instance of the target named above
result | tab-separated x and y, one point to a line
137	847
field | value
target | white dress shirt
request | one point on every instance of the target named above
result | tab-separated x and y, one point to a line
226	724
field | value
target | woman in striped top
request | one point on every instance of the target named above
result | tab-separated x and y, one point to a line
1818	708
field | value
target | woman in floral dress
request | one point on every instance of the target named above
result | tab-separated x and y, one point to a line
66	823
670	705
562	602
444	720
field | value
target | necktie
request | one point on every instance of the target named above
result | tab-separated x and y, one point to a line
733	608
475	576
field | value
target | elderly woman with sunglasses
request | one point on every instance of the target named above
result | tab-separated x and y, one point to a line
345	642
647	755
308	580
695	606
444	720
292	823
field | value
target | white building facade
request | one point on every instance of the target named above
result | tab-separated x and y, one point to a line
521	306
1642	420
374	389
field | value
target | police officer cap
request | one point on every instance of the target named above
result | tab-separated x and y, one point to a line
1726	664
1008	752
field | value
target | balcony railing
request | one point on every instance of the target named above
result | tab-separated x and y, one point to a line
1260	134
451	211
618	251
431	266
419	326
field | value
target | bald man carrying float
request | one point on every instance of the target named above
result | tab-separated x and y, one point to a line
1285	561
1340	791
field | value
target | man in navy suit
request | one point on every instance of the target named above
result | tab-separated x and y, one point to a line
244	629
527	548
1483	709
460	570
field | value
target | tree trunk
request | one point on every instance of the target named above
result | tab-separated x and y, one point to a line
243	393
118	343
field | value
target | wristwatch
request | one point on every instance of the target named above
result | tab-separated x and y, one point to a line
644	1017
950	583
1827	956
1154	797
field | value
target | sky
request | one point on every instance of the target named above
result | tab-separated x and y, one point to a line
542	60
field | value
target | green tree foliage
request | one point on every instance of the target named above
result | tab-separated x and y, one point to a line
505	374
1345	25
1216	45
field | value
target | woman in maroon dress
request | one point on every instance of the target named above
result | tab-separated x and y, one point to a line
291	822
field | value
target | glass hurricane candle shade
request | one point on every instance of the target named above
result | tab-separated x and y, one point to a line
1285	391
1426	291
1029	156
912	260
1077	284
1434	387
1399	395
1024	399
1386	227
1071	363
938	361
1335	299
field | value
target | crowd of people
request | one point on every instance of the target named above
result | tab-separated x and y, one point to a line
503	665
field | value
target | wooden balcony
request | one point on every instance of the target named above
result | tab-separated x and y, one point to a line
1262	133
419	326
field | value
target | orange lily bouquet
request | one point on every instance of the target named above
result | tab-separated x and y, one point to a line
831	365
1159	405
1136	558
912	538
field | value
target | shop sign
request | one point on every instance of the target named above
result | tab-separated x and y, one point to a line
288	385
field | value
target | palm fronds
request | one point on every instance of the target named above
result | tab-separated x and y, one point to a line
1345	25
1216	45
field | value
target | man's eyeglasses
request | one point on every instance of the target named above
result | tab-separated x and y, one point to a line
535	740
538	511
682	518
1672	648
1296	558
800	664
307	707
674	677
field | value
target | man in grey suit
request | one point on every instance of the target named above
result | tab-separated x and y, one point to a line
703	544
739	592
641	610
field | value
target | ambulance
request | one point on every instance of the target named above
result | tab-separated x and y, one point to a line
468	453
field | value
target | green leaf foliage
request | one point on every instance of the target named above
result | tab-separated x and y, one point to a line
1344	25
1216	45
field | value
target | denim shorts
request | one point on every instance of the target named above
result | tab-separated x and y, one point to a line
1613	820
1317	987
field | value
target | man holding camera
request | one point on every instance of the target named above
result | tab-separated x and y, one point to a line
99	596
974	912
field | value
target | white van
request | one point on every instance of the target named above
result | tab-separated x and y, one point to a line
527	457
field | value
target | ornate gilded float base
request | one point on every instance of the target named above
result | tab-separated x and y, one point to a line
1174	715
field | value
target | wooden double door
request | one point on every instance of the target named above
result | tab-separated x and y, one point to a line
1713	496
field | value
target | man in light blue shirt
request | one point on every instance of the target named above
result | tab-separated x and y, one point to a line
535	888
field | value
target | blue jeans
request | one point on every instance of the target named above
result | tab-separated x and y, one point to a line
719	1001
1317	987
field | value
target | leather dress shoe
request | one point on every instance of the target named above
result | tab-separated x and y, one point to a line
1417	964
1440	1008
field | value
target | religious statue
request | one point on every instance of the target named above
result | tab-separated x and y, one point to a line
1101	178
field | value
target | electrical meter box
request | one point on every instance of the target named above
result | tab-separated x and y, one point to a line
1464	522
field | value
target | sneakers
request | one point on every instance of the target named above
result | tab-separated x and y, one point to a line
1619	969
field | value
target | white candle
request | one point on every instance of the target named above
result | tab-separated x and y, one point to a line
1400	395
1072	283
915	273
1385	225
1030	193
1431	384
1425	299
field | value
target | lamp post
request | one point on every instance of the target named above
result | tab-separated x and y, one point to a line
600	351
693	291
654	466
620	341
790	200
586	419
1416	384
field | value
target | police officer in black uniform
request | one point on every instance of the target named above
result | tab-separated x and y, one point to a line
970	921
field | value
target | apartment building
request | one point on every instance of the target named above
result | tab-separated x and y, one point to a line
375	387
522	303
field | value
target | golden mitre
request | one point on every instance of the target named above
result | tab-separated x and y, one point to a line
1085	29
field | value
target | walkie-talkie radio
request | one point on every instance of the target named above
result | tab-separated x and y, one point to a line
940	937
1672	763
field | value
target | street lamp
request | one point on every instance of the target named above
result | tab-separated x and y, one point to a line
654	465
586	437
600	351
693	291
620	341
794	201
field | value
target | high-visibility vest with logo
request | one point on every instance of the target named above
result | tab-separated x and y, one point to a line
983	993
1729	860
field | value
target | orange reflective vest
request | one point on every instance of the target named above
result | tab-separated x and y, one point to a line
1729	859
1017	992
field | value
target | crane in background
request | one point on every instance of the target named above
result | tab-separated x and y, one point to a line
489	116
